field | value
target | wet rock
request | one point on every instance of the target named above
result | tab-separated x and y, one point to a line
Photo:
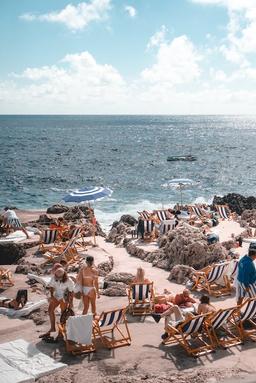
11	252
236	202
57	209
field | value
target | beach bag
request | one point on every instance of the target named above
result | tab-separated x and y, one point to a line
68	312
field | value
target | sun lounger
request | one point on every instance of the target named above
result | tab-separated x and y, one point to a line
196	210
112	328
67	252
219	328
162	215
166	226
207	279
48	237
5	278
144	214
78	334
141	298
224	212
188	332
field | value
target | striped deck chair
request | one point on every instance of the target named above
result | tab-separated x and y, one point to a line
67	252
144	214
78	341
245	320
162	215
196	210
141	298
224	211
5	278
190	330
207	279
166	226
149	226
112	328
218	327
48	237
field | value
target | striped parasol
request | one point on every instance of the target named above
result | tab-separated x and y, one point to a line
87	194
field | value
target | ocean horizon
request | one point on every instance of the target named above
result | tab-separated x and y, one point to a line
45	156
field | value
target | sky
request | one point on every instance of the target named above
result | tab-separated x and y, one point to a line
128	57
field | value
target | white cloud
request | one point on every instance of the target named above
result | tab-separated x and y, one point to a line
176	63
75	17
130	10
158	38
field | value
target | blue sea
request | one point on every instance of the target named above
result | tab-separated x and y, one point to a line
43	157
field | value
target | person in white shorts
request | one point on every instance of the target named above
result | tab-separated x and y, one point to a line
11	221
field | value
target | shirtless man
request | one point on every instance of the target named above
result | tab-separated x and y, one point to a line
87	279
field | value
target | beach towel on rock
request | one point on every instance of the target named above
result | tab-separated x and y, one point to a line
23	362
79	328
27	309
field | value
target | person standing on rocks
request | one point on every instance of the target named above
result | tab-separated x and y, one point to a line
246	278
11	221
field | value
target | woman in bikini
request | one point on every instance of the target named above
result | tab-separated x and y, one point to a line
87	280
17	303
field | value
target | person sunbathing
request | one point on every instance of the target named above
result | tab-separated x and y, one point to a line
205	306
17	303
184	299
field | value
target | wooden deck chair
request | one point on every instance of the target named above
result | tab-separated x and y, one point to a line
218	327
48	237
112	328
224	212
78	334
67	252
162	215
5	278
141	298
207	279
192	329
166	226
196	210
245	320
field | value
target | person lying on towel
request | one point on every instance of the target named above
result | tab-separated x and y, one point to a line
17	303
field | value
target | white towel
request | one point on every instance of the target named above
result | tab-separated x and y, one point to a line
79	329
27	309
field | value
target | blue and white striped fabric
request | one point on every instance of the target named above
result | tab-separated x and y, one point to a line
166	225
49	236
140	292
223	211
75	232
162	215
221	317
217	272
241	290
144	214
87	194
111	318
70	245
14	222
194	325
149	226
250	310
197	211
235	268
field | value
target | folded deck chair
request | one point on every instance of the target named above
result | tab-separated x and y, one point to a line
245	320
219	328
207	279
190	331
167	225
141	298
5	278
112	328
224	211
48	237
78	334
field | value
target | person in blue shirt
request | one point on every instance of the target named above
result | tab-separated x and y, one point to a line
246	278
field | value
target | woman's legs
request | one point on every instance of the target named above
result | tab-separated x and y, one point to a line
86	302
51	309
92	298
174	310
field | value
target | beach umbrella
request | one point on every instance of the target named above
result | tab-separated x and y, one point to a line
181	184
87	194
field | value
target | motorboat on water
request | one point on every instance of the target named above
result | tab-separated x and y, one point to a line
189	157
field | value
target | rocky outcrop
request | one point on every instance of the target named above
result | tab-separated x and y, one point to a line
248	218
45	220
181	273
120	229
128	219
106	267
26	267
116	284
11	252
236	202
57	209
182	246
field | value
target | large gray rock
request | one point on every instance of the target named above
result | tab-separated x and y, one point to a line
10	253
57	209
236	202
248	218
120	277
181	273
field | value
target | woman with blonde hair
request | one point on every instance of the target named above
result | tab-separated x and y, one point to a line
140	276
